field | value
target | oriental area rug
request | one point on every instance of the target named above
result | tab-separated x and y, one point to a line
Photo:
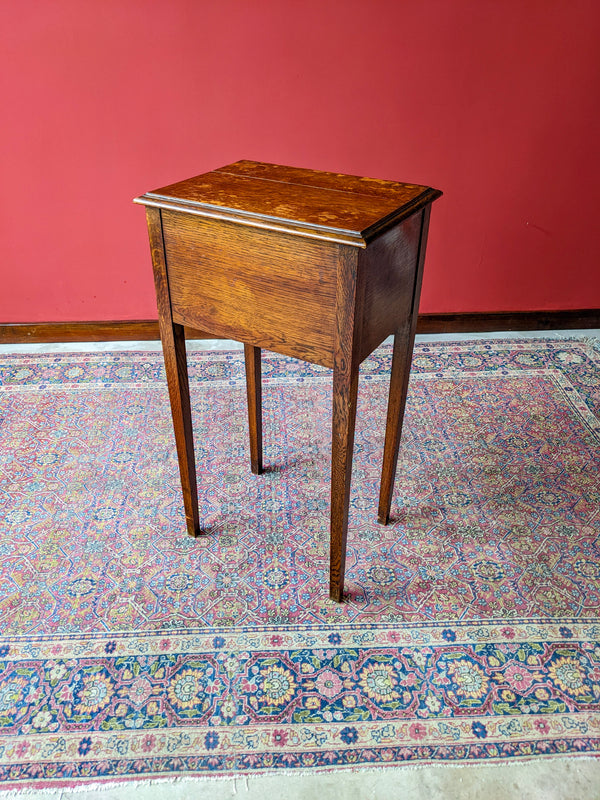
471	627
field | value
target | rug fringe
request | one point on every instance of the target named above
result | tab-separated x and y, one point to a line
242	779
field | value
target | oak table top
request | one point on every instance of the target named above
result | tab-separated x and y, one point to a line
322	205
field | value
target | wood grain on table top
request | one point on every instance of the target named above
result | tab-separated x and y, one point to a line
303	201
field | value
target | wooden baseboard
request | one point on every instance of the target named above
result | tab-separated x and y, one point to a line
102	331
145	330
509	321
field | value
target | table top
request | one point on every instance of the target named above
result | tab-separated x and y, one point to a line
322	205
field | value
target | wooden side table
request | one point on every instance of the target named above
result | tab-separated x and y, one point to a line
314	265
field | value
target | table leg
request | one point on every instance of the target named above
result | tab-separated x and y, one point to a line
254	392
179	394
401	360
345	388
173	342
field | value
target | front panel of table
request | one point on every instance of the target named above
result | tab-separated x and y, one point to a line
278	291
269	289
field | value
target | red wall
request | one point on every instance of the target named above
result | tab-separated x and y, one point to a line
495	103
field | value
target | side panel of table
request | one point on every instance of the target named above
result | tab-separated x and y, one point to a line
389	265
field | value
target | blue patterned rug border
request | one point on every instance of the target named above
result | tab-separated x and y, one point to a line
240	699
69	774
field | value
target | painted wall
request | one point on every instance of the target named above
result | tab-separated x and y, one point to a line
496	103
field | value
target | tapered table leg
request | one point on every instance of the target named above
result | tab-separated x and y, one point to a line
254	392
173	343
345	387
179	394
401	360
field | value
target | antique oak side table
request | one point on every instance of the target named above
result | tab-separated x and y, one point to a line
315	265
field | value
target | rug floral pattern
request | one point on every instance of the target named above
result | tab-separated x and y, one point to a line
471	623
